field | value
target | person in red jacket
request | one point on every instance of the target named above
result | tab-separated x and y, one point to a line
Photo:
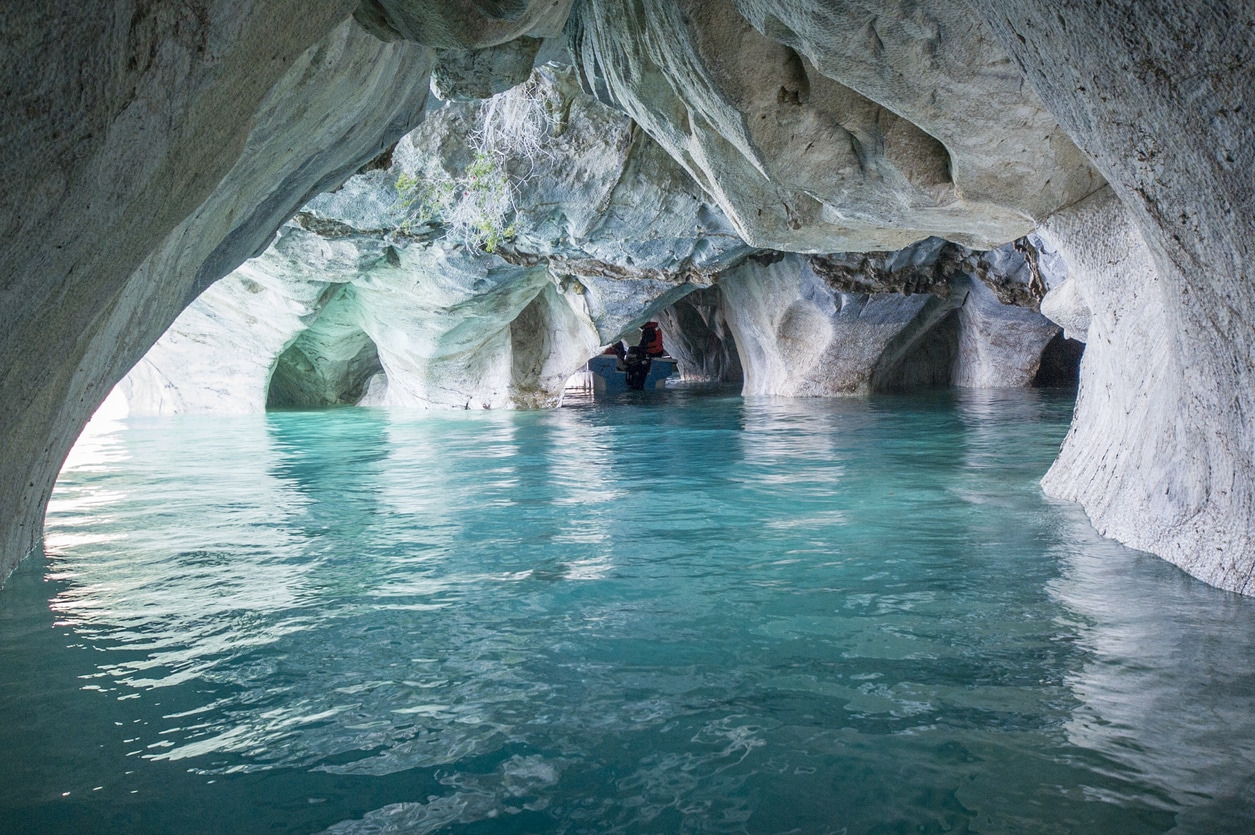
651	340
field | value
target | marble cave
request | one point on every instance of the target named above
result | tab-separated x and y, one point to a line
956	277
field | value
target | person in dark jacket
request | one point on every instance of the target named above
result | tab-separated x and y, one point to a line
638	364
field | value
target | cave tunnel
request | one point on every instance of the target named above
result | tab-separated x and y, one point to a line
802	609
1060	363
306	377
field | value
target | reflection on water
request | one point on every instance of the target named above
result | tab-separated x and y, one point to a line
687	613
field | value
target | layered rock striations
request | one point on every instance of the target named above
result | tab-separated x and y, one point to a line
386	289
1160	95
828	127
1147	476
857	323
697	335
503	245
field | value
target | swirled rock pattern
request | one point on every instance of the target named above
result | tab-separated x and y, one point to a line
853	324
807	149
605	230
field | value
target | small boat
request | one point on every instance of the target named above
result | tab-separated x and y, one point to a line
609	374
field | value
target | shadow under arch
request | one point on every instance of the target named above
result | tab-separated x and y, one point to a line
331	363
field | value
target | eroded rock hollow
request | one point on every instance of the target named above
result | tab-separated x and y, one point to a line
815	198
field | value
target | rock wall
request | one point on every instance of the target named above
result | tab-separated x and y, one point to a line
460	24
853	324
695	332
331	363
601	230
999	345
937	66
798	337
150	149
206	362
170	148
1133	457
833	127
1160	95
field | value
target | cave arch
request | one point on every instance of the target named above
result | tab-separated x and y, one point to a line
315	371
1060	363
695	332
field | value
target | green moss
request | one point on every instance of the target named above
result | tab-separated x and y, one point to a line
476	207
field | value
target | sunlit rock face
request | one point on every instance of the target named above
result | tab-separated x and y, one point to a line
1174	487
822	127
207	362
366	295
159	150
856	323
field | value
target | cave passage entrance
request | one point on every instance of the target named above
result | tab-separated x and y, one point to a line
313	373
1060	363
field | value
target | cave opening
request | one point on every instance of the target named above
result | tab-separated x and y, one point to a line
927	362
310	375
696	332
1060	363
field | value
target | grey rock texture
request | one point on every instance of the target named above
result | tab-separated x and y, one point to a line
808	149
857	323
1133	458
1160	95
937	66
696	333
177	145
460	24
605	231
218	354
999	345
468	74
149	149
799	337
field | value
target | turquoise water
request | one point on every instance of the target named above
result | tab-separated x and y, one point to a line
679	613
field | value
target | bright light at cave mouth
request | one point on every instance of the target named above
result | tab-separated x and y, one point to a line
690	612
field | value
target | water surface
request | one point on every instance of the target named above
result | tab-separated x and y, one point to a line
680	613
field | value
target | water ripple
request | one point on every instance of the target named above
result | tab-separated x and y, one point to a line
692	613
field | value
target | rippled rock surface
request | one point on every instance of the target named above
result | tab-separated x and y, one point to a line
190	139
465	302
149	151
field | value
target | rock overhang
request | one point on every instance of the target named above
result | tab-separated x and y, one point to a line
931	130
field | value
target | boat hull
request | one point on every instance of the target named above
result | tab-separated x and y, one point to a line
608	378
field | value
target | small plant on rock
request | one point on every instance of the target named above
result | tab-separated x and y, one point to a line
476	208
